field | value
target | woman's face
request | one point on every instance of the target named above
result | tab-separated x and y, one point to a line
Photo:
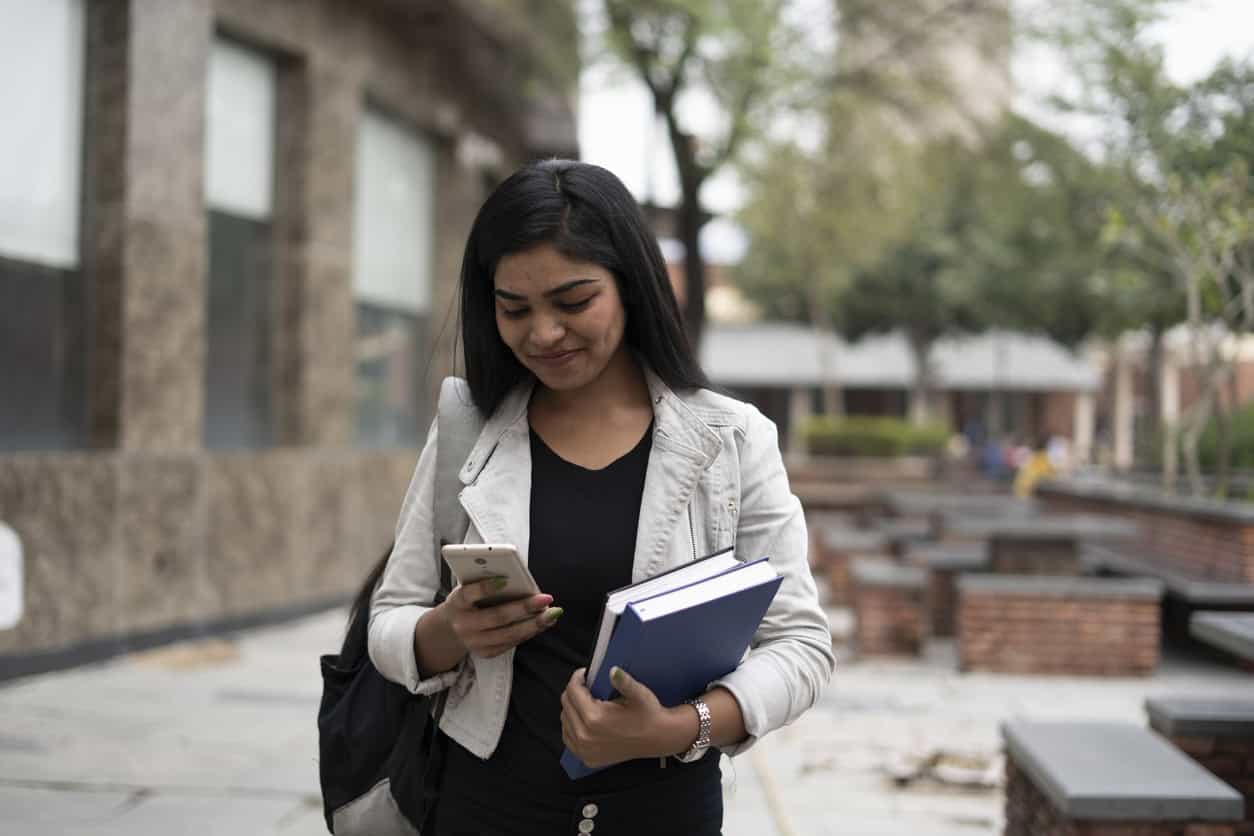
563	319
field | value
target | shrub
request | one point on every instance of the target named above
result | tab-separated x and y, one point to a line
877	437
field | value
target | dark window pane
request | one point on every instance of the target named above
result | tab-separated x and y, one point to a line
43	326
238	328
391	362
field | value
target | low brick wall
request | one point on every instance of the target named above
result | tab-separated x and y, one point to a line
1209	539
890	611
1042	625
944	564
835	548
1027	556
942	601
1030	813
1219	735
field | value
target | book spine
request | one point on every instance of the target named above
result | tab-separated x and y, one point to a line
619	652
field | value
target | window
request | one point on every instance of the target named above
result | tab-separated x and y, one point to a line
393	243
239	186
43	301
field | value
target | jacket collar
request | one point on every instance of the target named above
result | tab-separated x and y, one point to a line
673	419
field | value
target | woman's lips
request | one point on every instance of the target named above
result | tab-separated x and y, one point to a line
556	359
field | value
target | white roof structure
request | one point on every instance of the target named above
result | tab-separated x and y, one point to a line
780	354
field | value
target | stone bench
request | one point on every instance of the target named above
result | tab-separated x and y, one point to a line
1218	733
837	546
1058	625
928	504
900	534
1231	632
944	563
1035	545
1186	592
1094	778
889	607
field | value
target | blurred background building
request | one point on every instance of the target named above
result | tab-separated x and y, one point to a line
229	238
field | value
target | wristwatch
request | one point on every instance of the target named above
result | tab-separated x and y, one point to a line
697	750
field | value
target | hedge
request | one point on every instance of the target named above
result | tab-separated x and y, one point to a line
876	437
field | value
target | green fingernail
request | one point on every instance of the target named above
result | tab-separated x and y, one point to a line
616	674
553	614
500	583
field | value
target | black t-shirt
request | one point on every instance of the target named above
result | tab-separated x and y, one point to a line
583	539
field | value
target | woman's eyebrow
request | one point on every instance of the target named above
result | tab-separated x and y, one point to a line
557	291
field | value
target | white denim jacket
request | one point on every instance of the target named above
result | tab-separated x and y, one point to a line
715	478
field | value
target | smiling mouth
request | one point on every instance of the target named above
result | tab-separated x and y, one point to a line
550	358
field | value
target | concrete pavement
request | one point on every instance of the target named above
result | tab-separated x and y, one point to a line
219	737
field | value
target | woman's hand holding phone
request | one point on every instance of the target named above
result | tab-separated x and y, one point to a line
489	631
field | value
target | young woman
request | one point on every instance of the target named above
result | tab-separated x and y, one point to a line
605	459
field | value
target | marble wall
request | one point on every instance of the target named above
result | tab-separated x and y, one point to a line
146	531
120	544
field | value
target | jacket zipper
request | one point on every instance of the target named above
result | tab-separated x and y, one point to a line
692	533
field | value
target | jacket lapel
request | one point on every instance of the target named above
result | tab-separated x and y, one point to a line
497	475
683	447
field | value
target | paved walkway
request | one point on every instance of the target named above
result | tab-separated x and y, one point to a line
219	738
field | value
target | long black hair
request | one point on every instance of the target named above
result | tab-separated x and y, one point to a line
588	215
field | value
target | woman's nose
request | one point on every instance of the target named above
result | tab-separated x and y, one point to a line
546	331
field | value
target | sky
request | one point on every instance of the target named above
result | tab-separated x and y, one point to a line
615	110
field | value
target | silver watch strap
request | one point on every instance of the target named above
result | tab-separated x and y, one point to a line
704	723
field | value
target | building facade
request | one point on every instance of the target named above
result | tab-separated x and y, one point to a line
230	232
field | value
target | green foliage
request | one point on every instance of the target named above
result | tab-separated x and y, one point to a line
1242	441
873	437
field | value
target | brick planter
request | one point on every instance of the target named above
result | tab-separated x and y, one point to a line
1218	734
1044	625
944	564
836	548
1204	538
889	608
1108	779
1030	813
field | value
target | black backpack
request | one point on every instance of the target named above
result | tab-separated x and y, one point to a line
380	756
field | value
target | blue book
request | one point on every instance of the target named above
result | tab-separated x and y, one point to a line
679	641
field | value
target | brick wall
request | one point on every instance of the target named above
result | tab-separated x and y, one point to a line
1200	545
1023	633
1231	760
1019	556
942	601
889	620
1030	813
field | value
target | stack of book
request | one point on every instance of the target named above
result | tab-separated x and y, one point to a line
679	631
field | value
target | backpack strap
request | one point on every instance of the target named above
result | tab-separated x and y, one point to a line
458	426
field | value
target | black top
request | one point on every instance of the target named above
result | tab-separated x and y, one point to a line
583	539
582	544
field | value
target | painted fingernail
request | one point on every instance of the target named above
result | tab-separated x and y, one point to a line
553	614
616	674
499	583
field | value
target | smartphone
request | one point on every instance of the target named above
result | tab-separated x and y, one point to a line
471	563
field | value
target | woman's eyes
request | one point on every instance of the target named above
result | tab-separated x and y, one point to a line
569	307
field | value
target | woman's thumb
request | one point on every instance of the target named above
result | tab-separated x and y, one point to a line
623	682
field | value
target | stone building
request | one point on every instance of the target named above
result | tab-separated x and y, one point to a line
230	232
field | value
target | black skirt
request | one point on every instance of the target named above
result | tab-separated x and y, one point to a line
488	798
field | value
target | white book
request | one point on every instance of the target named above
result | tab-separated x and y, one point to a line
617	600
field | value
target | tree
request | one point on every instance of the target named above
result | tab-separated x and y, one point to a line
1175	171
753	59
1003	235
1206	225
817	218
